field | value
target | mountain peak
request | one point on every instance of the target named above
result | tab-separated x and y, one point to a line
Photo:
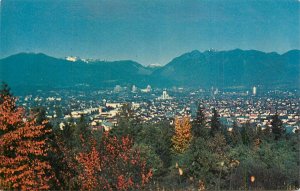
195	52
231	68
193	69
290	52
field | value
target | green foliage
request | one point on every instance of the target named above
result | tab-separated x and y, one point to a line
247	134
267	134
277	127
128	123
58	111
82	129
274	166
208	161
236	137
40	113
199	123
201	161
158	137
215	124
154	162
5	91
55	154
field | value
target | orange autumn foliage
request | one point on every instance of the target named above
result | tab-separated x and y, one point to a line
22	150
183	135
113	165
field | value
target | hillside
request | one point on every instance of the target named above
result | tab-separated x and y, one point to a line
232	68
235	68
42	70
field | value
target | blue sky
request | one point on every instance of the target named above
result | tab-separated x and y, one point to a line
146	31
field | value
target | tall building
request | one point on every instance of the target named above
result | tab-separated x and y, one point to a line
164	96
216	91
134	89
254	90
117	88
147	90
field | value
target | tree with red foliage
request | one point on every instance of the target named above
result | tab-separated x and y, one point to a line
23	149
113	165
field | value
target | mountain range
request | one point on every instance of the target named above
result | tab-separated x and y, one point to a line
223	69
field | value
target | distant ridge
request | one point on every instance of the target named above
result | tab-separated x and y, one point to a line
233	68
193	69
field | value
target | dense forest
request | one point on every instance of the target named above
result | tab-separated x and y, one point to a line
188	154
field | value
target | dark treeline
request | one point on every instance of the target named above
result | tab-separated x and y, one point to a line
194	154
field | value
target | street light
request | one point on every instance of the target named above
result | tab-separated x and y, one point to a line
252	179
180	171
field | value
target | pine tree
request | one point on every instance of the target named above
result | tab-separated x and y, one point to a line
215	122
236	137
183	136
248	134
5	90
277	127
267	134
82	129
67	166
54	153
128	123
199	123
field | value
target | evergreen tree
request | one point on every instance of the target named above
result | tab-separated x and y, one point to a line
236	137
247	134
200	160
208	161
215	122
128	123
40	115
55	154
162	143
267	134
58	112
66	133
82	131
259	132
68	146
5	90
277	127
199	122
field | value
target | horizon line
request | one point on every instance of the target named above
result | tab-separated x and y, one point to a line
104	60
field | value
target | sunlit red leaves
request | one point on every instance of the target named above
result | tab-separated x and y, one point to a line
22	150
112	166
90	161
